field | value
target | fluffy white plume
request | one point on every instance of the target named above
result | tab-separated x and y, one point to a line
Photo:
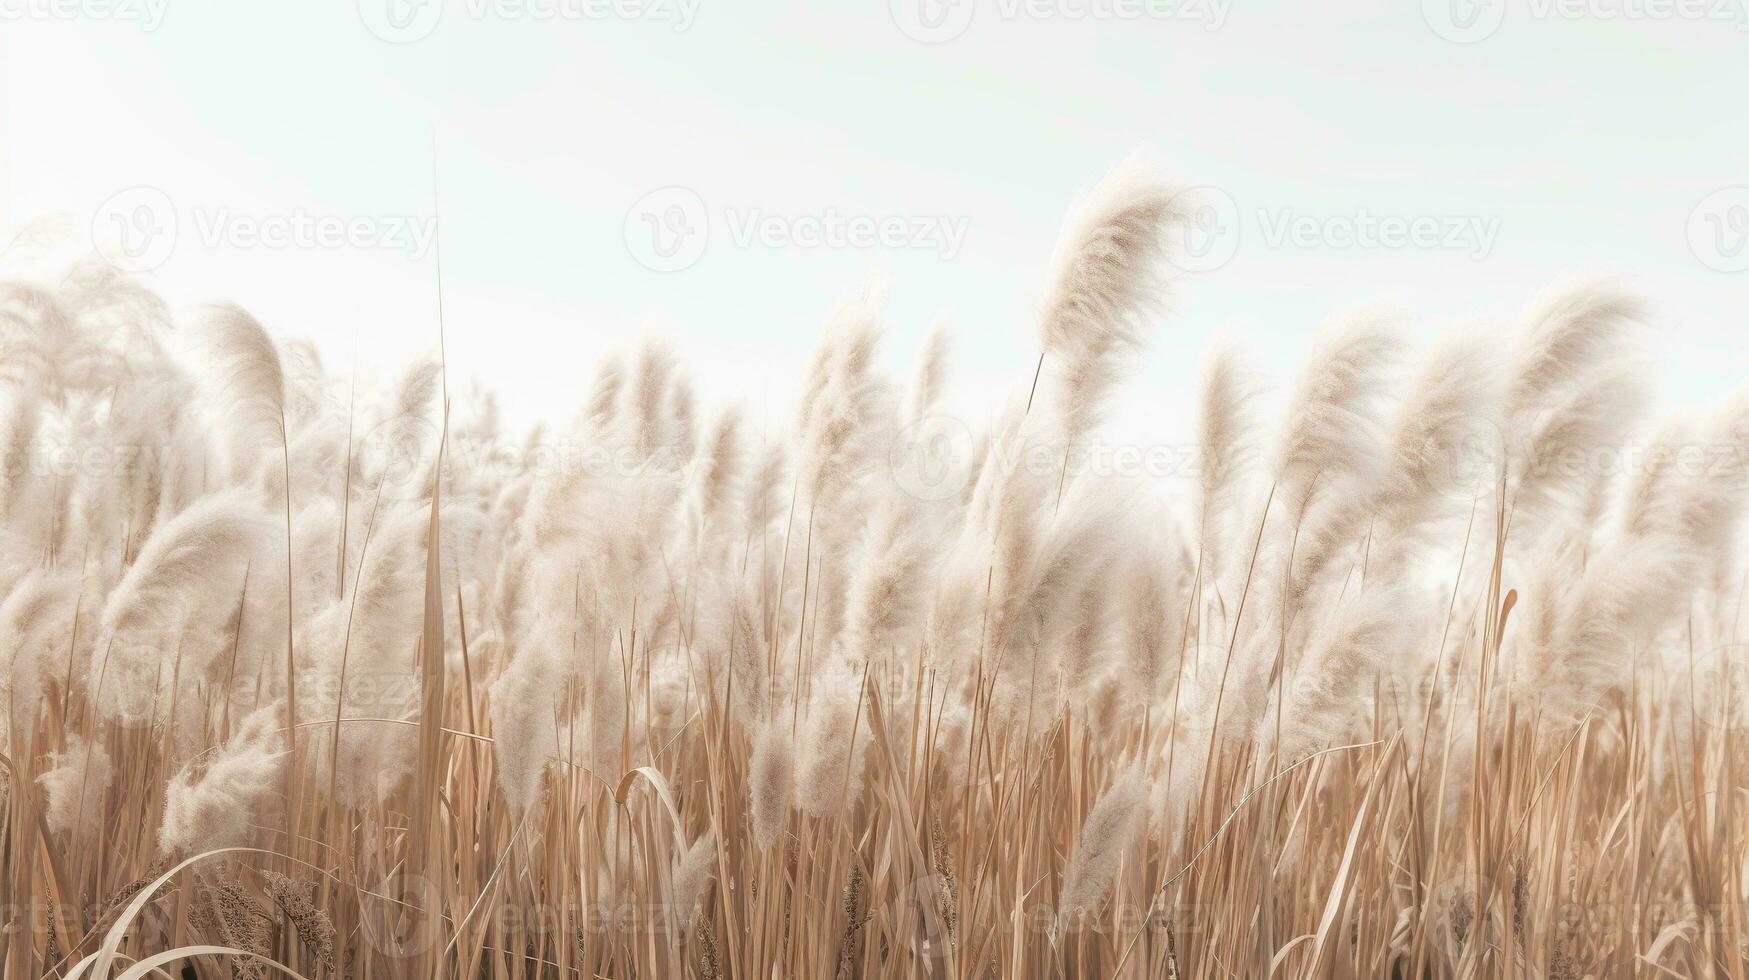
1106	836
75	781
693	871
771	776
216	807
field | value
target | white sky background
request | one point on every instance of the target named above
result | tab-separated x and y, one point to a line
1591	133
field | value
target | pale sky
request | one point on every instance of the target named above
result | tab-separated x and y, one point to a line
1519	143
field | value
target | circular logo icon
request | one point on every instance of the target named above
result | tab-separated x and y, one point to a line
1464	21
1718	230
1720	689
391	916
1193	707
1469	910
396	457
400	21
1208	237
929	905
931	21
667	229
1462	456
132	682
135	229
931	459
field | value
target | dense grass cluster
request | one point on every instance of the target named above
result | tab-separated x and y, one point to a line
1437	674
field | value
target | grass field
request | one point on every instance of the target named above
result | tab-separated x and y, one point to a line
1437	672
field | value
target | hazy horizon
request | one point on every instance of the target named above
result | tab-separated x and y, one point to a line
1554	145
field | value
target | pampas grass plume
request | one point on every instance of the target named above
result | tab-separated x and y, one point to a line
215	808
771	774
75	782
1106	835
